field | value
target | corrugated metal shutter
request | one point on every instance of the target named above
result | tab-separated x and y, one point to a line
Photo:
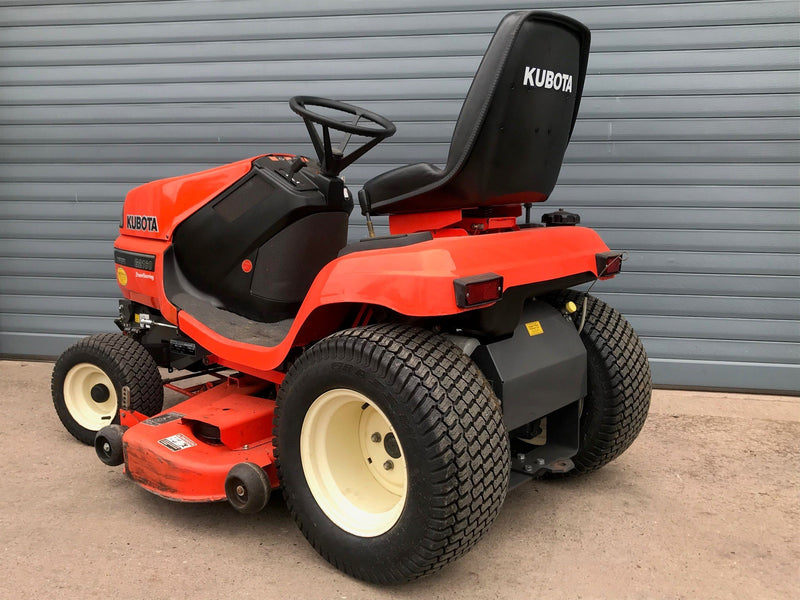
686	153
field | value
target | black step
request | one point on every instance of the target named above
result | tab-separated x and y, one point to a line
231	325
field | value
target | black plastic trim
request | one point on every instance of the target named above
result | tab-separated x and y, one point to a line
387	241
135	260
499	320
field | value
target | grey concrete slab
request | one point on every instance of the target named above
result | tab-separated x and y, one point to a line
705	504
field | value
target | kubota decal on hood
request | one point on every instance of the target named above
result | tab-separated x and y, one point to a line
141	223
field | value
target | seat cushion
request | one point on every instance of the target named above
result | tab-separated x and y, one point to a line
401	181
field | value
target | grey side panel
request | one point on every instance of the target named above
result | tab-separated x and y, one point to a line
685	154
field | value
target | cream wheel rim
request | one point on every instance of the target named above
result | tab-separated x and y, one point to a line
88	412
353	463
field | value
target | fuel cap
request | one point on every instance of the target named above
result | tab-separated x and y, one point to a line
560	218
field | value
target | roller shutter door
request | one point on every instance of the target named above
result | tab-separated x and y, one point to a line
686	152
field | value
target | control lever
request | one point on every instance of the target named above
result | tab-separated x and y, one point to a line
297	164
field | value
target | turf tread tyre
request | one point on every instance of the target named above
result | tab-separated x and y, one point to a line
461	435
620	386
125	361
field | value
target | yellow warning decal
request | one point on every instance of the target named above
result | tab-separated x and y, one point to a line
122	276
534	328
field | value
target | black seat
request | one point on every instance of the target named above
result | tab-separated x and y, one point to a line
514	126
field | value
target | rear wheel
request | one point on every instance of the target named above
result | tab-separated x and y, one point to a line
353	463
392	452
88	379
618	399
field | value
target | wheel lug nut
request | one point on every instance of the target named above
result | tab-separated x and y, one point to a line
107	447
388	465
240	490
375	437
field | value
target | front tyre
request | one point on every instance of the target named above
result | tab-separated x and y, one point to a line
618	399
391	450
88	379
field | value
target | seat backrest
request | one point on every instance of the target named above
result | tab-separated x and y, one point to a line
517	118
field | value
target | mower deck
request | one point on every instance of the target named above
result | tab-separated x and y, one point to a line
186	452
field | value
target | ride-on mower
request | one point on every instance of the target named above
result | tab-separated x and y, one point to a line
395	388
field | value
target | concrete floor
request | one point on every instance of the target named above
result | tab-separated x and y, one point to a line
705	504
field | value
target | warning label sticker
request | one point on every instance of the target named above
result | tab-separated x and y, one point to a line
177	442
534	328
161	419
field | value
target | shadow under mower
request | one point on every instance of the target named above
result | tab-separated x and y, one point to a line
396	387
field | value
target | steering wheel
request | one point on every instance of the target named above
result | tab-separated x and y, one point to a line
332	160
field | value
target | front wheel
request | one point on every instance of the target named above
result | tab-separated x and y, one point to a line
88	379
391	450
615	409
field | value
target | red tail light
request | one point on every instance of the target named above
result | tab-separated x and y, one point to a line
608	263
478	289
